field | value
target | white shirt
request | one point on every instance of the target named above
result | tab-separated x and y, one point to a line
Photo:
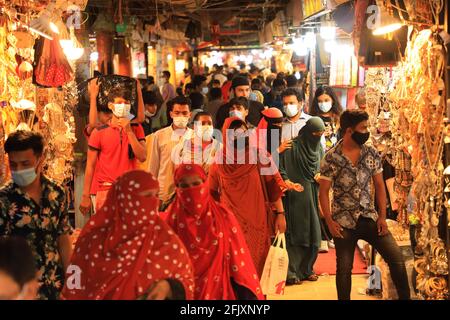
289	129
205	158
161	164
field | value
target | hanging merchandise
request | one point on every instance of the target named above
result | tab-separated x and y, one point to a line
51	66
418	108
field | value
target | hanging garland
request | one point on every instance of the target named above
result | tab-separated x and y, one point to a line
418	107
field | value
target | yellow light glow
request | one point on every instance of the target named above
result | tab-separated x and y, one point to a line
53	27
387	29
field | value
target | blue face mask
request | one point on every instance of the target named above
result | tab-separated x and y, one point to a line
236	113
24	177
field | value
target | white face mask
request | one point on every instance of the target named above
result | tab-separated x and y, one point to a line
122	110
24	177
181	122
149	114
205	90
291	110
236	113
325	106
205	132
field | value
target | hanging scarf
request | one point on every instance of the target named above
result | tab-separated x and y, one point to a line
214	240
126	248
308	149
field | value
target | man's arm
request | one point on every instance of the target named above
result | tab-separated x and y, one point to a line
381	198
324	201
154	158
88	176
137	146
140	117
93	93
324	197
65	250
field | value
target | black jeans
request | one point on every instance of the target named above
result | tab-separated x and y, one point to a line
366	229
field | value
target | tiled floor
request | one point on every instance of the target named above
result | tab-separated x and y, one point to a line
325	289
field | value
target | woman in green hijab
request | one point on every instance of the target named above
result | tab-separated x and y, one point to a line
301	164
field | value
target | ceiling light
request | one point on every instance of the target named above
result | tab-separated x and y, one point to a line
385	23
328	30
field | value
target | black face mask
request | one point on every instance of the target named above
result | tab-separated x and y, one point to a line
326	119
360	138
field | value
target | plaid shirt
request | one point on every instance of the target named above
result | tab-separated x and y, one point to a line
351	185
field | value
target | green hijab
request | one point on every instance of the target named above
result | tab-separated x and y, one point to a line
308	150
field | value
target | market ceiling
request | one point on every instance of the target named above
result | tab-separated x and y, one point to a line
249	15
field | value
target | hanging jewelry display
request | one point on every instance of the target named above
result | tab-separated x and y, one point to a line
419	108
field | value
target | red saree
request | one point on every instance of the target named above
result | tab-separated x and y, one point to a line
241	191
214	240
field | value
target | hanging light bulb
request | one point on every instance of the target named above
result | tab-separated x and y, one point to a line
299	46
94	56
328	30
75	50
310	40
385	23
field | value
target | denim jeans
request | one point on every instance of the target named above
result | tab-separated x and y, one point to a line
366	229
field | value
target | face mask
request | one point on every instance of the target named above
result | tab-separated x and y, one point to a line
360	138
291	110
149	114
24	177
205	132
325	106
314	139
198	199
205	90
253	97
236	113
181	122
122	110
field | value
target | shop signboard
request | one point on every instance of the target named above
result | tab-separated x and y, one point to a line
231	27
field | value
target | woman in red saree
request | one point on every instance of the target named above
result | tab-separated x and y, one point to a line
242	177
126	252
223	266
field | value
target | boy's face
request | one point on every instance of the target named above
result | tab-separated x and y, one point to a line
180	110
21	160
151	108
238	107
117	100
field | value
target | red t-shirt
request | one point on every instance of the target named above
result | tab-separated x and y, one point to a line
115	156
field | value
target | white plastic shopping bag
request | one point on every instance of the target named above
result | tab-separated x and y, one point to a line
273	279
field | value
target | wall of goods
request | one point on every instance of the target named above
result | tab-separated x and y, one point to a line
411	97
37	86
